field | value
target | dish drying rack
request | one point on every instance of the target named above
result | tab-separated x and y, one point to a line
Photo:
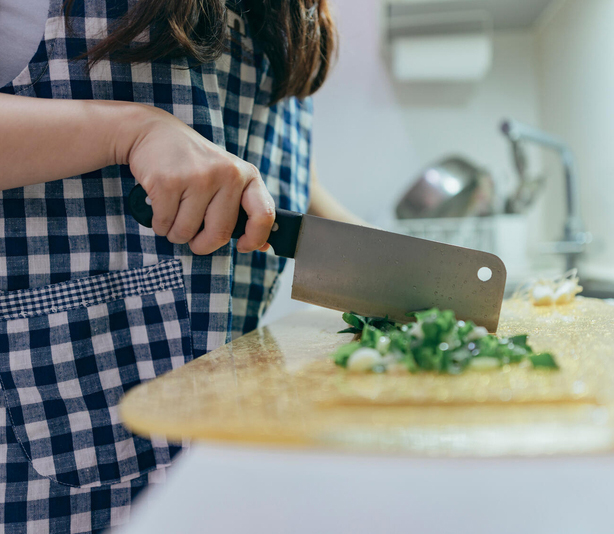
479	233
505	235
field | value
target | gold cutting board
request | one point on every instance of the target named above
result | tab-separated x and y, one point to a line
278	386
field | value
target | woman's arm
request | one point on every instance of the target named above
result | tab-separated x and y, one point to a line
43	140
188	178
323	204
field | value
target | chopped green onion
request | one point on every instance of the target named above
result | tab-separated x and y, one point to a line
544	361
436	342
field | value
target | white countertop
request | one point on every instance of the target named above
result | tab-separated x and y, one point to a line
215	489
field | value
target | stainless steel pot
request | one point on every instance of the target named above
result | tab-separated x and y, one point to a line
454	187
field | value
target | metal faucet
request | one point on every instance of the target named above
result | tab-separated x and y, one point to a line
575	237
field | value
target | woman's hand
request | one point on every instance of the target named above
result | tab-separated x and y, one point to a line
189	179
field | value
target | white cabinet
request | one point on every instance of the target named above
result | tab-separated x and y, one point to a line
505	14
449	40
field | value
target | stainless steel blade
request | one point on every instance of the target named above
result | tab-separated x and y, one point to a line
379	274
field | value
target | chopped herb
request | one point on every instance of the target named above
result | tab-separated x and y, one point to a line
544	361
520	341
343	353
350	330
357	321
436	342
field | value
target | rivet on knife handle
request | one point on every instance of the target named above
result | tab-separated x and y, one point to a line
283	238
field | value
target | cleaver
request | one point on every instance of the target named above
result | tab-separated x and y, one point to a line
375	273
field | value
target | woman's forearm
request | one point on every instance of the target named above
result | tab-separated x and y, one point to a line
44	139
323	204
188	179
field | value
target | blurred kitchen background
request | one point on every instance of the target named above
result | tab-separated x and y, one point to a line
421	81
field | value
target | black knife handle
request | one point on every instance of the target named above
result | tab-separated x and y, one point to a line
283	237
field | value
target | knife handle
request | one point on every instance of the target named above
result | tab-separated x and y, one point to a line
283	237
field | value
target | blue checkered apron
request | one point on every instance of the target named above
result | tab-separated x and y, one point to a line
92	304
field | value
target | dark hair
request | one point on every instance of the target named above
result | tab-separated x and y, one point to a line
298	37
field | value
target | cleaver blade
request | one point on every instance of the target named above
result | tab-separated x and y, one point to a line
378	274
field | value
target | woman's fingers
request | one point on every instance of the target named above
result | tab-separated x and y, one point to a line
223	211
220	221
260	208
179	215
165	206
189	219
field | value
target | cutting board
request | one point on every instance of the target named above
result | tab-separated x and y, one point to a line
277	386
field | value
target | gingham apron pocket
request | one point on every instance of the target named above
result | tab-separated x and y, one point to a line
69	351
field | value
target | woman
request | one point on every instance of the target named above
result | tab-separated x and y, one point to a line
208	110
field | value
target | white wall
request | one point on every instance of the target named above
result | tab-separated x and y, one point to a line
576	59
372	136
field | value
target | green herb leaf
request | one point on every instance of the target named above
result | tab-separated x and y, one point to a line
357	321
543	361
409	362
400	342
520	341
381	324
350	330
464	329
370	336
343	353
488	346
